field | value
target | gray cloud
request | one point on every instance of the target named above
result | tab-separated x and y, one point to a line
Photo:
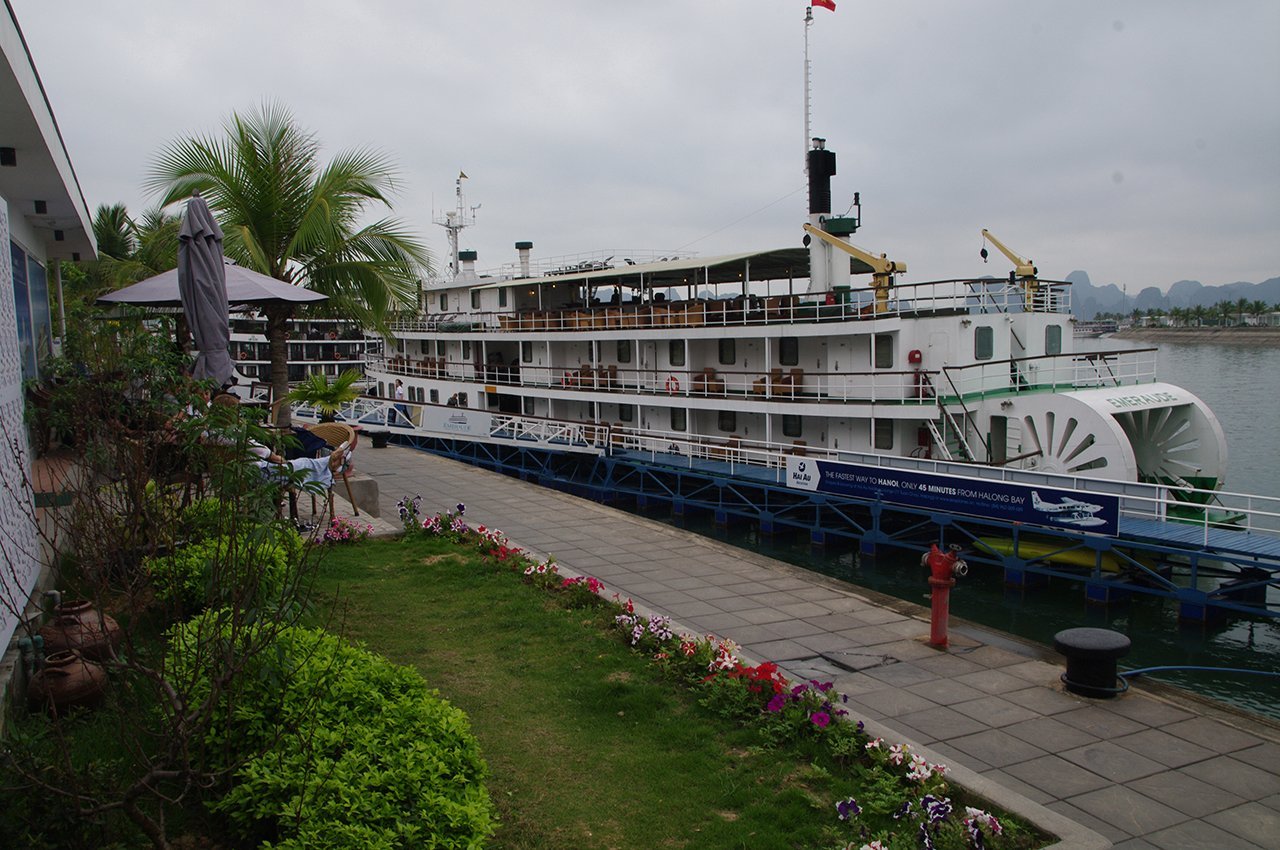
1137	140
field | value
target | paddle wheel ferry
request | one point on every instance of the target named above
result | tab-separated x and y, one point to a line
780	350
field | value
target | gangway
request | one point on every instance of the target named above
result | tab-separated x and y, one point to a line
1206	565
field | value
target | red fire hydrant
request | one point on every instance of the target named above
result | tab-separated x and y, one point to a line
943	568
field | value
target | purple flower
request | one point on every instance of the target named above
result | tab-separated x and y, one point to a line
849	808
924	838
462	509
936	809
820	719
903	810
776	704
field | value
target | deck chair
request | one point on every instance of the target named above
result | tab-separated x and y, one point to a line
335	434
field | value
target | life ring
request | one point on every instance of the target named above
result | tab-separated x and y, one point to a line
673	384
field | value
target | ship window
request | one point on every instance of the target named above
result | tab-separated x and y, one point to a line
444	301
624	351
728	421
679	420
728	352
441	348
676	352
526	351
466	349
884	434
382	389
1053	339
626	413
502	296
435	396
883	354
529	408
789	351
475	299
791	425
983	342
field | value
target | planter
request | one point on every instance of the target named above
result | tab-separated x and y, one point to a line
67	681
77	626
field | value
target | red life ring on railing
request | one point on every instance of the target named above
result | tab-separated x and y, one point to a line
673	384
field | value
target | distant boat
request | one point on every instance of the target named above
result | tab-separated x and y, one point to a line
1084	330
328	346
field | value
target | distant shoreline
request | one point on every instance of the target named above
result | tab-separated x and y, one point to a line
1220	336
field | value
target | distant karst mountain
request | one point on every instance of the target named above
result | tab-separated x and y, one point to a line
1087	300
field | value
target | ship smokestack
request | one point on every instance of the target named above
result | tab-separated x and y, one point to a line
467	259
822	167
524	248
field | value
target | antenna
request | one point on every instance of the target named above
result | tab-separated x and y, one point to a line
455	221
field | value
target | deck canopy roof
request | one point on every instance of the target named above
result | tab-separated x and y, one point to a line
777	264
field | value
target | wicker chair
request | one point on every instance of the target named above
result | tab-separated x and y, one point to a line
335	434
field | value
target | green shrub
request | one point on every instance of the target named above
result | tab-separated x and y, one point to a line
333	746
247	568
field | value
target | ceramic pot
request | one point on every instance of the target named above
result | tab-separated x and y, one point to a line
65	682
78	626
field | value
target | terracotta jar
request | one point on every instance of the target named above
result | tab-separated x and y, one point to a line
67	681
77	625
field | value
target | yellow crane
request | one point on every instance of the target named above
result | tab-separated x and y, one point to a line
1024	271
882	268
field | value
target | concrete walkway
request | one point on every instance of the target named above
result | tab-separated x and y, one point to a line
1150	769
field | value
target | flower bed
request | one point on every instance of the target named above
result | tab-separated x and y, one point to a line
904	799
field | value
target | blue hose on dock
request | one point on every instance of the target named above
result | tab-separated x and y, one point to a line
1141	671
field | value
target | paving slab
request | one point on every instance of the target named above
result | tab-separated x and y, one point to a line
1128	810
1250	821
1057	777
1198	835
1113	761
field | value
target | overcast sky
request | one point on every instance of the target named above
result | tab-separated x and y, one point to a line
1139	141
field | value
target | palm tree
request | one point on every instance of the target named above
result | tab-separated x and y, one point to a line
114	231
288	216
128	251
1257	309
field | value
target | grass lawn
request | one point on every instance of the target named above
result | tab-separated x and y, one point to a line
588	745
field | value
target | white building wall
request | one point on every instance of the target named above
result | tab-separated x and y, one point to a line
19	545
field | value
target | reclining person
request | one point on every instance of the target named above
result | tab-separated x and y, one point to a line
303	470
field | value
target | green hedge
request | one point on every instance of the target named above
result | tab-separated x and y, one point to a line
224	567
337	747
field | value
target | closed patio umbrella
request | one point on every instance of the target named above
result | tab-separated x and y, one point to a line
202	288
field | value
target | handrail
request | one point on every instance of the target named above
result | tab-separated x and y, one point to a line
1251	513
961	295
901	386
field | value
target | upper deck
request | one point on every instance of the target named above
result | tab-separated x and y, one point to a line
564	307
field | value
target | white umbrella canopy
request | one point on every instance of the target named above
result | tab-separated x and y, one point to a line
244	286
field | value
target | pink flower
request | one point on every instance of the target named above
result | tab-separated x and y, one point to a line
819	718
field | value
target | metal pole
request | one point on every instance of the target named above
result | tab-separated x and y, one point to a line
808	21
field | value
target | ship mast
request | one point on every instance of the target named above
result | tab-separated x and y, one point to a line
455	221
808	22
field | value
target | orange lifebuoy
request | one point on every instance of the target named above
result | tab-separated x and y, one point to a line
673	384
